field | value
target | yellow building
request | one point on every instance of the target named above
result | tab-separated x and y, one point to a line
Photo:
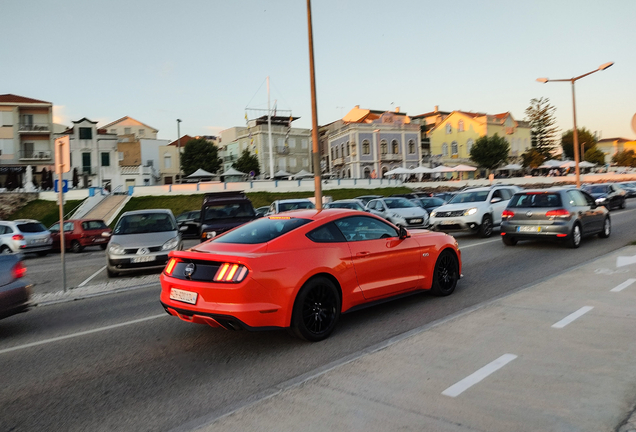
453	137
611	146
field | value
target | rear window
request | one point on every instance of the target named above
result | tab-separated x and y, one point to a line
91	225
536	200
261	230
227	211
283	207
31	227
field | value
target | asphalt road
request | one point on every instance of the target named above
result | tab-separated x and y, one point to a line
118	362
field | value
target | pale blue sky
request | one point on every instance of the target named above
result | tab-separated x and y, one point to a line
205	61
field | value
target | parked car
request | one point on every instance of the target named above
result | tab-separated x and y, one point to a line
351	204
142	240
302	271
399	211
554	214
15	289
629	188
446	196
476	210
284	205
25	236
366	198
607	194
222	211
429	203
192	221
261	211
413	195
80	233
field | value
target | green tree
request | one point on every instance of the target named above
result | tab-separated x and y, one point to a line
626	158
490	152
595	155
543	129
200	153
247	163
585	137
532	158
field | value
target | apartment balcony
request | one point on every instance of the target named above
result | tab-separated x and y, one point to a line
391	157
34	128
338	161
36	155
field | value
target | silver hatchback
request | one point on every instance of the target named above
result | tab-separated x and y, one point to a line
142	240
25	236
553	214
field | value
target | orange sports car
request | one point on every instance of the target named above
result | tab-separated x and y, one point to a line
302	269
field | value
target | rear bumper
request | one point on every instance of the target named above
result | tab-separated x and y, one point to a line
545	231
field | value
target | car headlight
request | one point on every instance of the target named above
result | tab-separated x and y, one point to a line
208	235
433	213
115	249
601	200
470	211
170	244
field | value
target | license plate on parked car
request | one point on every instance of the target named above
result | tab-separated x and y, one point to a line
447	222
415	221
528	229
183	296
141	259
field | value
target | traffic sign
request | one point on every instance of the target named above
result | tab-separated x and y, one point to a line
64	186
62	154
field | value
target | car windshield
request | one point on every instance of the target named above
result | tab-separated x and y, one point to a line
432	201
282	207
261	230
596	189
144	223
468	197
227	211
345	205
31	227
394	203
536	200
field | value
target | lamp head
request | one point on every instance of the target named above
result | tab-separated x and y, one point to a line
542	80
605	65
178	120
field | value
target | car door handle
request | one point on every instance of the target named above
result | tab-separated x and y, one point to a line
363	254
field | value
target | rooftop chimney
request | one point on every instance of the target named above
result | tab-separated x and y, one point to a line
397	109
436	108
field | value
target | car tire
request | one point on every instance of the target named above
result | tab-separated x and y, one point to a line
316	310
485	229
5	250
43	253
76	247
607	228
508	241
623	204
445	274
574	239
111	274
103	246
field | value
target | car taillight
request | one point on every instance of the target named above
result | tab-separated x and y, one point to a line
17	237
507	214
561	213
230	273
170	266
18	270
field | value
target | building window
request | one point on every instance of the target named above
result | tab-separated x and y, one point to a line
303	143
85	133
348	149
469	145
292	162
366	148
445	149
460	126
105	159
126	131
142	132
337	152
86	163
449	128
342	150
394	147
454	148
411	147
167	161
121	156
383	147
292	142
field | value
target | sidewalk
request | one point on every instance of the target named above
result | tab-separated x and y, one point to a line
558	356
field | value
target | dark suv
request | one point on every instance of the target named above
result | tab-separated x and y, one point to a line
222	211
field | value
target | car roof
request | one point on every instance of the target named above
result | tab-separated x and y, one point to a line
147	211
293	200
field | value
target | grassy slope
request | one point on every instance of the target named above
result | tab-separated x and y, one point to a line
46	212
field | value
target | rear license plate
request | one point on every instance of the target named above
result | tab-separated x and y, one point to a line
183	296
528	229
141	259
99	240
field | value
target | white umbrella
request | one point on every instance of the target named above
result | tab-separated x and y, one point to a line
460	168
422	170
302	174
229	172
398	170
510	167
442	168
551	164
201	173
586	164
282	173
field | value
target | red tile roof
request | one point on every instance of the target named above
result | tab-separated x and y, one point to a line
11	98
184	140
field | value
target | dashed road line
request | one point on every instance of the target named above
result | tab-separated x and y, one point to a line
472	379
622	286
568	319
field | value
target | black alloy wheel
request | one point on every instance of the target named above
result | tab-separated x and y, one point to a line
316	310
445	274
485	229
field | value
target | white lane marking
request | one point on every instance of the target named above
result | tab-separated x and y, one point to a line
622	286
84	333
479	244
459	387
91	277
568	319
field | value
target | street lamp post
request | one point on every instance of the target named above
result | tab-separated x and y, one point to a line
179	149
576	135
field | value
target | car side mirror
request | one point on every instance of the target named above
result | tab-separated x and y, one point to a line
403	233
106	234
495	200
183	228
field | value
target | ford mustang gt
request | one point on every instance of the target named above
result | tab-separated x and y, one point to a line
302	269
